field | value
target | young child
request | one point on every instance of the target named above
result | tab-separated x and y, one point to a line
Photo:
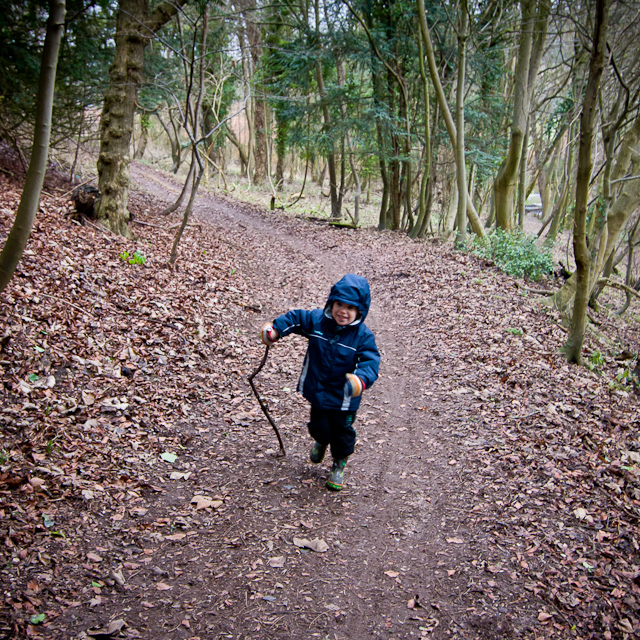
341	361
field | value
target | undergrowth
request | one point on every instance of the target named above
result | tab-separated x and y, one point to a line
514	253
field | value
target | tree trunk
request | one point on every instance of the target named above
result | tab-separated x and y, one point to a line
625	203
260	149
422	223
331	158
254	39
522	182
559	210
533	31
573	345
144	135
30	199
450	218
628	277
281	150
461	163
472	214
242	152
195	153
341	75
134	28
174	138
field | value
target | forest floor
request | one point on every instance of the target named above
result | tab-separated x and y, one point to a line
494	491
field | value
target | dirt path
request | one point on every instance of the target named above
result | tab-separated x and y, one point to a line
402	557
494	491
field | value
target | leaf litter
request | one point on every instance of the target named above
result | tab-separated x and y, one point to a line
500	484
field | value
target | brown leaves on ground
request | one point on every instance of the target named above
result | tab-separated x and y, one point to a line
106	364
495	490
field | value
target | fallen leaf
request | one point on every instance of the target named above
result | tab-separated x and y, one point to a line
277	562
168	457
392	574
543	616
163	586
455	540
117	577
94	557
580	513
203	502
626	626
318	545
111	629
176	536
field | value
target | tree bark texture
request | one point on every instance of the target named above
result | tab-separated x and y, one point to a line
30	199
461	163
134	30
441	99
254	40
533	31
331	157
573	345
422	223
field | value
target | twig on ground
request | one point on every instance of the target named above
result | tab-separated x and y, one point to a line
47	295
150	224
158	226
107	232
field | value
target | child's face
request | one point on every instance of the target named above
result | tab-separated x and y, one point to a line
343	314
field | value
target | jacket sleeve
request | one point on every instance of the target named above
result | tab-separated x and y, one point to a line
295	321
367	360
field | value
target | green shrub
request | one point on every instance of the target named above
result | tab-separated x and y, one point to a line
514	253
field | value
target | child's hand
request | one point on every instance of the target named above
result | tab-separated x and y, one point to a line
357	386
268	334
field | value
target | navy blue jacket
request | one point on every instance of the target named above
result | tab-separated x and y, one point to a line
334	350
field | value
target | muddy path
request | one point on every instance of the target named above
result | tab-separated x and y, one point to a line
407	557
494	491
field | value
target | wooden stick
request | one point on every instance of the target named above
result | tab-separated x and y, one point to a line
263	406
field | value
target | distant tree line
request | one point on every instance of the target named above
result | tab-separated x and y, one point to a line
458	111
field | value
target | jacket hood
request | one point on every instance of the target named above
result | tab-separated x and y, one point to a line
351	289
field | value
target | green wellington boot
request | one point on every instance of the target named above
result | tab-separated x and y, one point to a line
317	452
336	475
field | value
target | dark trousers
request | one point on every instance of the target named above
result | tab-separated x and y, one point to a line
334	427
